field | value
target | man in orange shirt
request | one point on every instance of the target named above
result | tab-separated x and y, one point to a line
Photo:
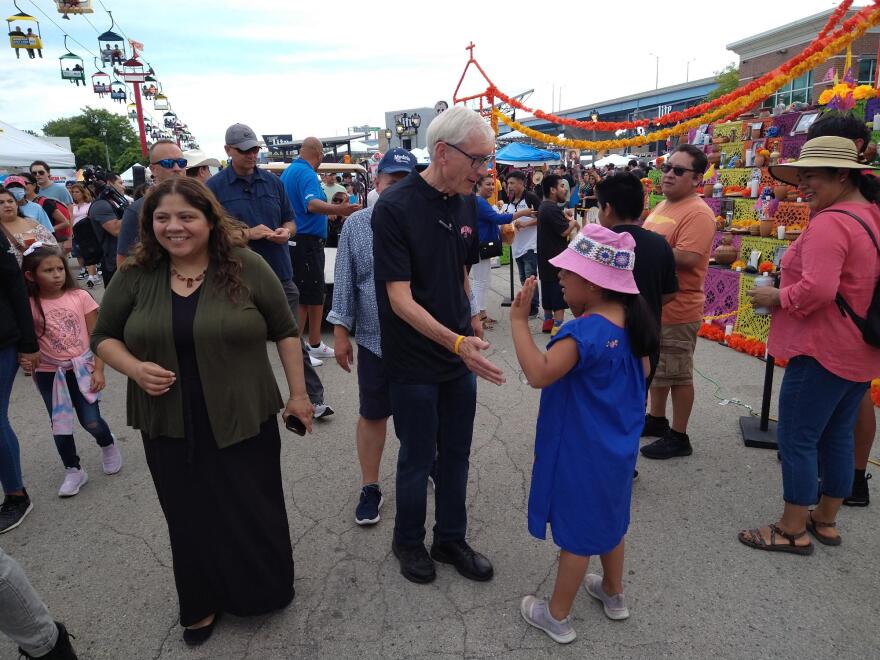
688	225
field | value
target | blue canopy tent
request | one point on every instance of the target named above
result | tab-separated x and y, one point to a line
525	155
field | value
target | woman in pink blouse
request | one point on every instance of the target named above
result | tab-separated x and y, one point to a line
830	364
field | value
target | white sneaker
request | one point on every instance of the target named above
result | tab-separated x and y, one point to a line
74	479
614	606
320	351
93	281
315	362
111	458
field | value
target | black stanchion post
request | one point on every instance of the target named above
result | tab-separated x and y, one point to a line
761	432
507	302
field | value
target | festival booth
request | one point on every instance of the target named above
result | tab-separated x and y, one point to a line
759	216
19	149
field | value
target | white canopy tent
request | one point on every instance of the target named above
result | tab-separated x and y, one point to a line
613	159
19	149
422	157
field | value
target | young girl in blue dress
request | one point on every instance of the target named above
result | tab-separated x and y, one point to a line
592	412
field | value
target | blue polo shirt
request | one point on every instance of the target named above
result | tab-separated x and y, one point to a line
302	186
257	200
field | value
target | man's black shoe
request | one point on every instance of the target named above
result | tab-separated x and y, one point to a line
655	427
671	445
415	563
859	495
466	560
62	649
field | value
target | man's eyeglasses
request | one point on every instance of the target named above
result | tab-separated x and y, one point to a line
476	161
678	171
168	163
38	172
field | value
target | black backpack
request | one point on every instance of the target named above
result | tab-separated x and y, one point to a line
870	324
87	242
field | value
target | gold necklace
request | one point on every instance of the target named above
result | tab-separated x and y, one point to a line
189	280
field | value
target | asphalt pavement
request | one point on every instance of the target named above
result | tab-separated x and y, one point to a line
102	562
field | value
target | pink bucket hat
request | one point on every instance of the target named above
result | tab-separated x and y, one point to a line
602	257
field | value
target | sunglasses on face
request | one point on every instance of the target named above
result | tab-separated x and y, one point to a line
168	163
476	161
38	172
678	171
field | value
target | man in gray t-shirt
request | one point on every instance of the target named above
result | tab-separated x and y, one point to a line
48	188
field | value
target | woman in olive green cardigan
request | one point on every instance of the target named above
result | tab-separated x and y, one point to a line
187	319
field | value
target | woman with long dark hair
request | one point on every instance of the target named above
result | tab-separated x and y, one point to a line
187	319
833	265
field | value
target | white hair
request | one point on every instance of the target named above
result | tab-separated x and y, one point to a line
455	125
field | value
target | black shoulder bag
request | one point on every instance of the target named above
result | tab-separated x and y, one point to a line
870	324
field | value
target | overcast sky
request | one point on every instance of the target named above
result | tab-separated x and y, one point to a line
285	66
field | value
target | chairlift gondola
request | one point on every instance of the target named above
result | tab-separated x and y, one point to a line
100	83
67	7
169	119
160	102
111	45
20	40
131	111
151	87
71	66
118	92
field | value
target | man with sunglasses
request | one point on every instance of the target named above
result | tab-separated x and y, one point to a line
166	161
257	198
48	188
688	225
424	238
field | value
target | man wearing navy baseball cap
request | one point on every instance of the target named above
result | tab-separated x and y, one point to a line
354	306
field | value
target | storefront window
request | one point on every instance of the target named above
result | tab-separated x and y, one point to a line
867	70
798	90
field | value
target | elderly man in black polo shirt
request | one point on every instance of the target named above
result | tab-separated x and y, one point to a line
424	238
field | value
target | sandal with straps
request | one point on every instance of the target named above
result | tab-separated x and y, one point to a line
815	525
753	539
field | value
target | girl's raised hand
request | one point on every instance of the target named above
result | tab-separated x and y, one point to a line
522	304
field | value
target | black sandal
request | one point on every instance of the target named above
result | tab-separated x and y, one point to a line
753	539
814	526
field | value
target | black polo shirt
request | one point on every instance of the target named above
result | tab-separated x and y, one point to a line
424	237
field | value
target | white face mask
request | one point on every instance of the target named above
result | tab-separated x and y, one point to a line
18	193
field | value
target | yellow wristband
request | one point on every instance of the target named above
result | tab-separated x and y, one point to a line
457	344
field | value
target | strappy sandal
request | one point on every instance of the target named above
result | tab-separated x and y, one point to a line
753	539
813	526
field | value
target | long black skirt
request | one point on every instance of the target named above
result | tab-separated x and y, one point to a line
230	541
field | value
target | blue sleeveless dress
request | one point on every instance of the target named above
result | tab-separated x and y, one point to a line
587	441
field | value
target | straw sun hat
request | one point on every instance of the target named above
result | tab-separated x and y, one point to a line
827	151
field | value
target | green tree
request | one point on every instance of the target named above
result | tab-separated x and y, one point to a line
88	132
727	79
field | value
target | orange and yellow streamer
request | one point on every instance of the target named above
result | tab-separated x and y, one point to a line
735	106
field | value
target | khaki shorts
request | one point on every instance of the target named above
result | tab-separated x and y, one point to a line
677	344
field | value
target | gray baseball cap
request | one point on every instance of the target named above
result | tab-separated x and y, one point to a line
242	137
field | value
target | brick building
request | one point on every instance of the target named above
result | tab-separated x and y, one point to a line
763	52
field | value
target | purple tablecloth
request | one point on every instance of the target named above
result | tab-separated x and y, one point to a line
722	294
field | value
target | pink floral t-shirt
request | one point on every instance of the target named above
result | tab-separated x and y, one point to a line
66	335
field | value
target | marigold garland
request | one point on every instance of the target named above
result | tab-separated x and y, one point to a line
745	344
817	45
832	46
